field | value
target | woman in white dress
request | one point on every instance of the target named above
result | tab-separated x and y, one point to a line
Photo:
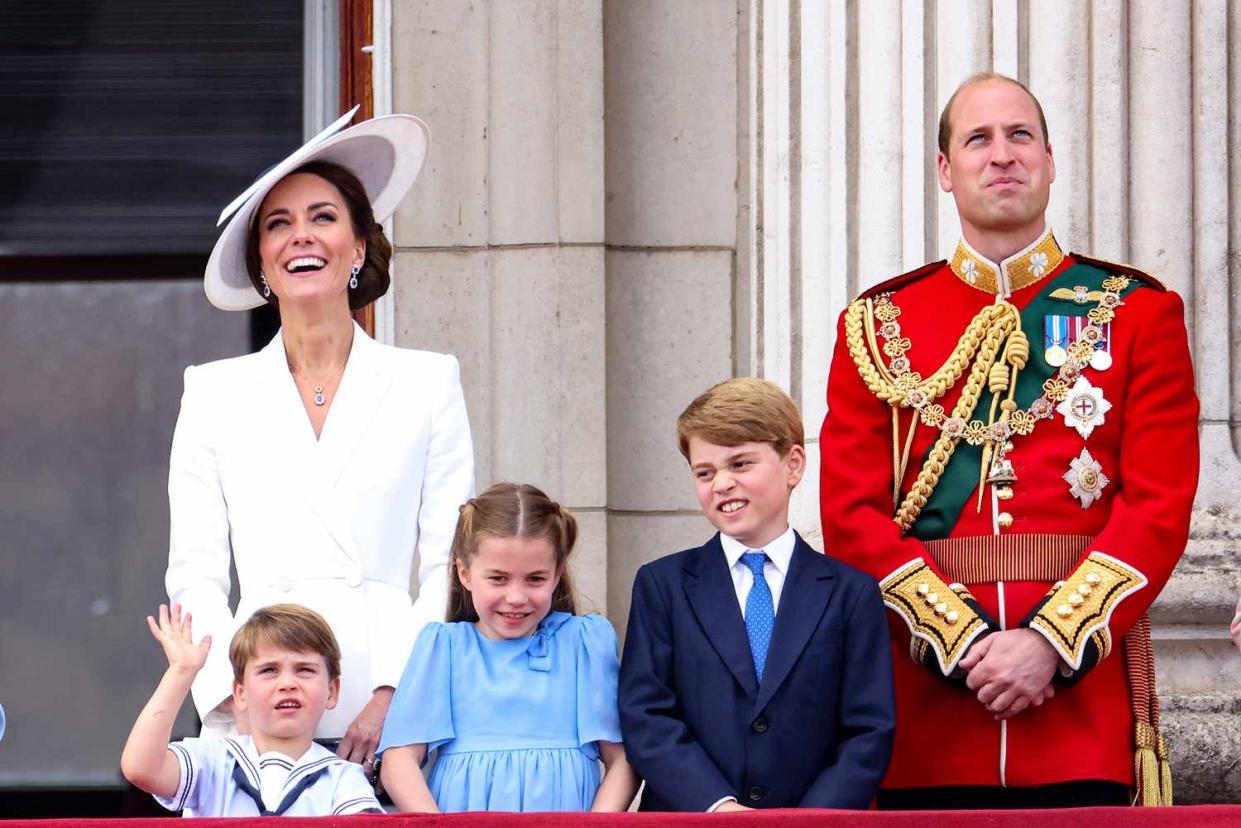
323	464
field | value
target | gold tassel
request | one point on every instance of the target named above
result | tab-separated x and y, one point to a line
997	383
1146	767
1165	772
1001	378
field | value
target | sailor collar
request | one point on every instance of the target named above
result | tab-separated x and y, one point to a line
302	773
1020	270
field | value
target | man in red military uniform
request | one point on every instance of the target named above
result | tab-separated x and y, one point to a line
1011	449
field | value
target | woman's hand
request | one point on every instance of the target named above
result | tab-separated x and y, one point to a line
174	632
362	737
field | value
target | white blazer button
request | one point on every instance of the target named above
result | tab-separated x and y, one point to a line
354	579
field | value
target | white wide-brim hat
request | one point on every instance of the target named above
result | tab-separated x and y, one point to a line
385	153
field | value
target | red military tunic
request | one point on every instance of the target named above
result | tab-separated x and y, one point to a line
1111	478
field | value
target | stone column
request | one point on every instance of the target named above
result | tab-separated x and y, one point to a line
670	81
500	256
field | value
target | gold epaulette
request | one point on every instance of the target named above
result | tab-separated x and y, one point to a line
898	282
1121	267
938	614
1079	608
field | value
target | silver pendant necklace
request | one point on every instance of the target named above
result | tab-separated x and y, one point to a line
320	396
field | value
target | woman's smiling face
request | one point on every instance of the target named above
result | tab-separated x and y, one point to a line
306	241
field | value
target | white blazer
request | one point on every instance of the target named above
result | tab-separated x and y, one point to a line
332	524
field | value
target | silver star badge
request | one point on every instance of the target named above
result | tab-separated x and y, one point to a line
1085	478
1084	407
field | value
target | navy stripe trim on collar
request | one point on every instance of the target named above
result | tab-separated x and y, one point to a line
349	803
292	795
243	761
311	767
188	764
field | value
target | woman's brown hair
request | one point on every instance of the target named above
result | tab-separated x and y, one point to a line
511	510
374	278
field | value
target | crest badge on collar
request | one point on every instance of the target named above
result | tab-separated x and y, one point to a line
1086	479
1084	407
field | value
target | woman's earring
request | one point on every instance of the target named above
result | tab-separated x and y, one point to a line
266	289
353	275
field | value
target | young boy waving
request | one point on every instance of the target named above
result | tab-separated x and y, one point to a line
286	666
756	671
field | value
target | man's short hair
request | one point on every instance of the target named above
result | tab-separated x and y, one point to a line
287	626
742	410
945	120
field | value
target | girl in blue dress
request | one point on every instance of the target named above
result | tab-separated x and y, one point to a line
516	693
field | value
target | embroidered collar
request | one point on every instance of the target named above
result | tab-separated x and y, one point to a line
1020	270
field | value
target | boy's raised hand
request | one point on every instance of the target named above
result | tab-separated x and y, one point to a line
146	760
174	632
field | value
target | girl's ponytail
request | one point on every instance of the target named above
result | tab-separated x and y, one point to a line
460	604
564	599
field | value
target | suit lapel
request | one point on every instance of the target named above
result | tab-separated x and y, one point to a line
281	415
713	599
362	388
313	467
803	600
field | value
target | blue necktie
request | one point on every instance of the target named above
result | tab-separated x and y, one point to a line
760	611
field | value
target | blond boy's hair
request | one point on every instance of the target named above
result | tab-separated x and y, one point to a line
742	410
288	626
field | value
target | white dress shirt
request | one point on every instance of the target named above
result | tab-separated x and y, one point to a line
775	568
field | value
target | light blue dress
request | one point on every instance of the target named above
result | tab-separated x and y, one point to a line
515	721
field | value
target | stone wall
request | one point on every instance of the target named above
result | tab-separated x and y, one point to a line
500	250
629	200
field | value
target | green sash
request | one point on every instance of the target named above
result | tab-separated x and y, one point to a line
960	478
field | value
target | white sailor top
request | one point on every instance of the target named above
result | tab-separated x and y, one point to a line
227	777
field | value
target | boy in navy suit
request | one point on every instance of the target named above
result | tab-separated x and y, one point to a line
756	672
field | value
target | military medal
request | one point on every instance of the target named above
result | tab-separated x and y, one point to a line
1101	359
1085	478
1066	392
1084	406
1055	337
1100	338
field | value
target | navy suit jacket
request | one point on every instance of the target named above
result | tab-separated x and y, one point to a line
698	727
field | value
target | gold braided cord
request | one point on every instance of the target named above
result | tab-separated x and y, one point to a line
869	327
864	351
1005	321
994	327
856	339
1001	378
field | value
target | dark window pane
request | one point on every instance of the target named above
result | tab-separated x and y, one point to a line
128	125
89	394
